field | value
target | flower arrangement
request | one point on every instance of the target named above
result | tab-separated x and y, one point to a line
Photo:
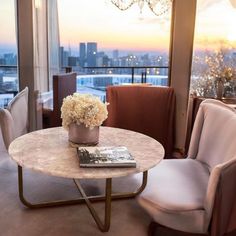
83	109
214	71
218	68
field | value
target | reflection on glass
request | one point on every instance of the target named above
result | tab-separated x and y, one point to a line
106	46
214	49
8	57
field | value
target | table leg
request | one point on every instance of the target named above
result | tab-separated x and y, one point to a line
43	204
114	196
107	217
85	199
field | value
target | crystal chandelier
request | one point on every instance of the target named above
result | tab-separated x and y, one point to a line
158	7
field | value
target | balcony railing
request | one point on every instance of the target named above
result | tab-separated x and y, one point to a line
8	83
94	80
90	79
143	71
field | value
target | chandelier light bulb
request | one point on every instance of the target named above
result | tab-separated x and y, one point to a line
158	7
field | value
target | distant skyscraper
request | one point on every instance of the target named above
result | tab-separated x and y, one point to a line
115	54
61	51
72	61
115	57
65	58
82	54
102	59
63	55
1	80
2	61
10	58
91	53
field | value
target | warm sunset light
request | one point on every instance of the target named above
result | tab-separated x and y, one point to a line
7	23
232	37
215	22
101	22
128	30
112	28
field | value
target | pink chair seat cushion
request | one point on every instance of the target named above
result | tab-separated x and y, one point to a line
183	185
182	194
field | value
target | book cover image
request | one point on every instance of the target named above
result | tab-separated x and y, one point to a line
105	157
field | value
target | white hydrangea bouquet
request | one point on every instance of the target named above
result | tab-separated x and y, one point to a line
83	109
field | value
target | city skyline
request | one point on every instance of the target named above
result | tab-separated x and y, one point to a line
89	54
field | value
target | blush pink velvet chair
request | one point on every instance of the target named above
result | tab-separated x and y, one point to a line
197	195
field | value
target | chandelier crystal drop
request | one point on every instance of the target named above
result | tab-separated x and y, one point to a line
158	7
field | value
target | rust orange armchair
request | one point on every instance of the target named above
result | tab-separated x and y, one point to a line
145	109
63	85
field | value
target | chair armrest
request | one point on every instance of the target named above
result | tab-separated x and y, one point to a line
224	211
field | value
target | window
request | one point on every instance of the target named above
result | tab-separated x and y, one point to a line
107	46
214	58
8	53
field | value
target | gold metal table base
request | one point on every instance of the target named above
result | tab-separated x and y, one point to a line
104	227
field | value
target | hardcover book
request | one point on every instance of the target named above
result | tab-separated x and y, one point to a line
105	157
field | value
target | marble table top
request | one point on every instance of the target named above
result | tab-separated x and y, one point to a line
48	151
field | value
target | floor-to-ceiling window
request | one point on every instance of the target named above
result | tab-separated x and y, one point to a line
105	45
8	52
214	61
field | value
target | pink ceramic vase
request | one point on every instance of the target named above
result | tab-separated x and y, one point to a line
80	134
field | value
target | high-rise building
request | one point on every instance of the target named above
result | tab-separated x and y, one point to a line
61	50
115	58
115	54
63	57
91	53
1	79
10	58
2	61
72	61
82	54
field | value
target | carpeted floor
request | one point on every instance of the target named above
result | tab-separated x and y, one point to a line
127	217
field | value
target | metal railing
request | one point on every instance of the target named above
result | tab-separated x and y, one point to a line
131	68
9	86
8	83
86	69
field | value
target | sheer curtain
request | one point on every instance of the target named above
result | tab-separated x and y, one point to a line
46	53
53	40
46	43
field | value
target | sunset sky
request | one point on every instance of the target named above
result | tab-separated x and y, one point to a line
102	22
7	24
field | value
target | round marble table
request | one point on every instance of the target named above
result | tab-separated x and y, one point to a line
48	151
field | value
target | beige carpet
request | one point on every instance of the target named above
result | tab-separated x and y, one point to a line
127	217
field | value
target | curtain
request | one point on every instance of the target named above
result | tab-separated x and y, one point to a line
46	43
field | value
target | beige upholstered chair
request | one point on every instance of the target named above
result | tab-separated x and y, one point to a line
197	195
14	119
